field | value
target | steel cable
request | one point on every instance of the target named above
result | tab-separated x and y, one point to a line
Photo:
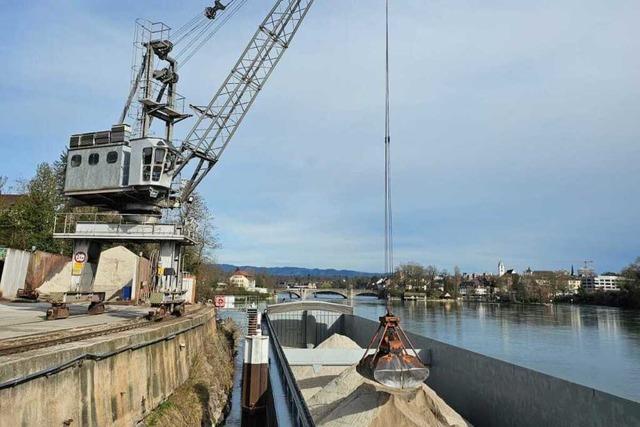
388	212
214	30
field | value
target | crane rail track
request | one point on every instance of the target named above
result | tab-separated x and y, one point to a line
35	342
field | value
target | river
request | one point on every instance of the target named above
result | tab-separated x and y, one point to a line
595	346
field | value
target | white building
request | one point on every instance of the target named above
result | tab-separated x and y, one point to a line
501	269
242	279
573	284
602	283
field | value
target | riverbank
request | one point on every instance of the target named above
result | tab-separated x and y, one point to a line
203	400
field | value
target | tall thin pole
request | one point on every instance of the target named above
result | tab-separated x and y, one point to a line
388	214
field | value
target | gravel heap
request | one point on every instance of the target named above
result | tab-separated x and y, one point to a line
340	342
310	380
352	400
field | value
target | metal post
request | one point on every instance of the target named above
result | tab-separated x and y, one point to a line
255	373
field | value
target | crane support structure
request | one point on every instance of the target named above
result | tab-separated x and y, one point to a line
217	122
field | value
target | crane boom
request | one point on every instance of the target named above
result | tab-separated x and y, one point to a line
217	122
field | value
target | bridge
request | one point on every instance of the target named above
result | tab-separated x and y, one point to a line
305	293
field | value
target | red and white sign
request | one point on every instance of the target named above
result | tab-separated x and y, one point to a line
80	257
219	301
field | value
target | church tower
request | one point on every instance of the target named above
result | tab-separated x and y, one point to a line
501	269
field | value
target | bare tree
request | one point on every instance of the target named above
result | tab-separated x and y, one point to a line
198	215
3	182
411	275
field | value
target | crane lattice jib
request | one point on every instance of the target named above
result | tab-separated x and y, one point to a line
218	122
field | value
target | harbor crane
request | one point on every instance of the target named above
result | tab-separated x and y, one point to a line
139	176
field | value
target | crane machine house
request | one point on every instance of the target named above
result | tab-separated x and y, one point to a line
131	176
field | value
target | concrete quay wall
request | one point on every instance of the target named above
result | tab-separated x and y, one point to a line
114	380
491	392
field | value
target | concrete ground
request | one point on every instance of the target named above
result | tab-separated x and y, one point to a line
20	319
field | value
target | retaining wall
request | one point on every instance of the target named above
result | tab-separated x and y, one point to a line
490	392
125	376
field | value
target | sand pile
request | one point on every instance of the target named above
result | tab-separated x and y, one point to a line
339	341
312	379
352	400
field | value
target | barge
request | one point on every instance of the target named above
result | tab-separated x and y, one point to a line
483	390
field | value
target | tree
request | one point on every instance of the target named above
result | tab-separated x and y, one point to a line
3	183
631	289
411	275
632	271
430	272
264	280
31	219
198	216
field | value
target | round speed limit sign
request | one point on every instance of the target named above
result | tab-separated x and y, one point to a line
219	301
80	257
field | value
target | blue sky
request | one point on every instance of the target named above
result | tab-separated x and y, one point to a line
515	126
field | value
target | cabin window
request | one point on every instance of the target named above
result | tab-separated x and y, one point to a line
94	158
147	157
112	157
159	158
157	173
76	160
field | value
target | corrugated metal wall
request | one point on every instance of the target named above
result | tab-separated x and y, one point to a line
14	273
42	267
143	280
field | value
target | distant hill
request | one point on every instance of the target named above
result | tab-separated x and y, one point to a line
297	271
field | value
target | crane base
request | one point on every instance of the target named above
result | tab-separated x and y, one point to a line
96	307
163	310
58	311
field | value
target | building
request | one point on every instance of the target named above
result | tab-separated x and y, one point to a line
7	201
602	283
573	284
242	279
501	269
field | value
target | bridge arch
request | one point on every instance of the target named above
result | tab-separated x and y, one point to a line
343	294
366	293
290	292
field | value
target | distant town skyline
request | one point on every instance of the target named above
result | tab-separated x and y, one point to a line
512	139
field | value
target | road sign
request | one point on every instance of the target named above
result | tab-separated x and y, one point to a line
219	301
80	257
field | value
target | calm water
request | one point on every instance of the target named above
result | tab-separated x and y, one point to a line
595	346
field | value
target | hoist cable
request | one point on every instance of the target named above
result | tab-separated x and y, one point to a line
214	30
177	33
202	21
201	30
388	212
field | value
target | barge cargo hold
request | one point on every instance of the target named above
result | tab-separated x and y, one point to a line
485	391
